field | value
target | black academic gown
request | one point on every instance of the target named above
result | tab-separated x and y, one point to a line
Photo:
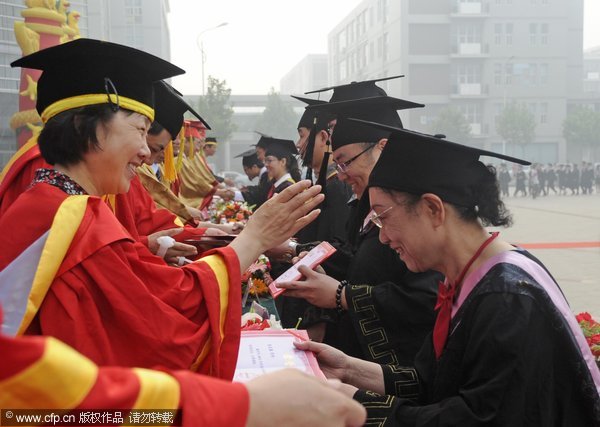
510	360
256	195
330	226
391	310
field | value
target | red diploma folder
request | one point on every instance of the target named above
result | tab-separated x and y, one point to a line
316	256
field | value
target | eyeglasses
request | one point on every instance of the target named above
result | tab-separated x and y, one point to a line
343	167
376	218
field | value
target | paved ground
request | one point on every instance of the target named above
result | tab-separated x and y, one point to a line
563	219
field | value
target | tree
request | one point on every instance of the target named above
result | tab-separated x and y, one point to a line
581	129
214	107
278	119
516	125
452	123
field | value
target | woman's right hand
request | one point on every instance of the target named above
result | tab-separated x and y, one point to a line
291	398
283	215
333	362
276	220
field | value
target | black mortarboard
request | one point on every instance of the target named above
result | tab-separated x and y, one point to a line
263	140
246	153
308	117
211	140
170	108
279	147
315	121
249	158
355	90
418	163
382	109
95	69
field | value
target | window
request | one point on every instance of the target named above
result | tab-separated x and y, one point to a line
508	70
544	34
362	24
533	72
342	41
543	112
498	33
471	113
533	31
386	47
468	74
498	109
379	46
468	34
498	74
543	74
343	72
532	108
362	56
133	12
372	51
509	33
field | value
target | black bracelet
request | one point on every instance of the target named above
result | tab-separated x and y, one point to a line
338	296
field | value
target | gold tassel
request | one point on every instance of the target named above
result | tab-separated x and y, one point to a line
170	174
179	163
191	147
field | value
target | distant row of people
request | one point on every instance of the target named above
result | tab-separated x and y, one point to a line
540	179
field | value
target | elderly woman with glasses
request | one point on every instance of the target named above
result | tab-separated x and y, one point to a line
506	350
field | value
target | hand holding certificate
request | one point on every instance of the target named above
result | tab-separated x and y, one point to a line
271	350
316	256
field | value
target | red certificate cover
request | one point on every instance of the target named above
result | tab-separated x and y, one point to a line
316	256
270	350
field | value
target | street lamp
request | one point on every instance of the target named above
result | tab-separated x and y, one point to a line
201	47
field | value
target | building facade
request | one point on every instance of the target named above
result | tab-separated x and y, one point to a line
309	74
138	23
475	55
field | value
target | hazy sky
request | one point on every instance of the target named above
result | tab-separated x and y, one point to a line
264	39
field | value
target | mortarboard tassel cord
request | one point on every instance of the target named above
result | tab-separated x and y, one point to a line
179	163
169	163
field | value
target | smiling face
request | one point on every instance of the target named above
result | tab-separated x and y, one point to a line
157	144
409	229
357	172
121	149
276	168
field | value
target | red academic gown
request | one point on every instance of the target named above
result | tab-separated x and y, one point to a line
106	295
135	209
34	368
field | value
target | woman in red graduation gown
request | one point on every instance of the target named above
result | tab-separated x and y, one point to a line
42	373
70	270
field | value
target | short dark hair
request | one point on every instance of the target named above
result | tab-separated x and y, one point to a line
67	136
155	128
250	161
490	208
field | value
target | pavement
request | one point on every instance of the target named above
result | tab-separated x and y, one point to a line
563	231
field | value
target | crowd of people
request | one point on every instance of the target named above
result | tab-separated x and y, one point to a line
552	178
421	317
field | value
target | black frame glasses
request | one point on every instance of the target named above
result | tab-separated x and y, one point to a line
343	167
